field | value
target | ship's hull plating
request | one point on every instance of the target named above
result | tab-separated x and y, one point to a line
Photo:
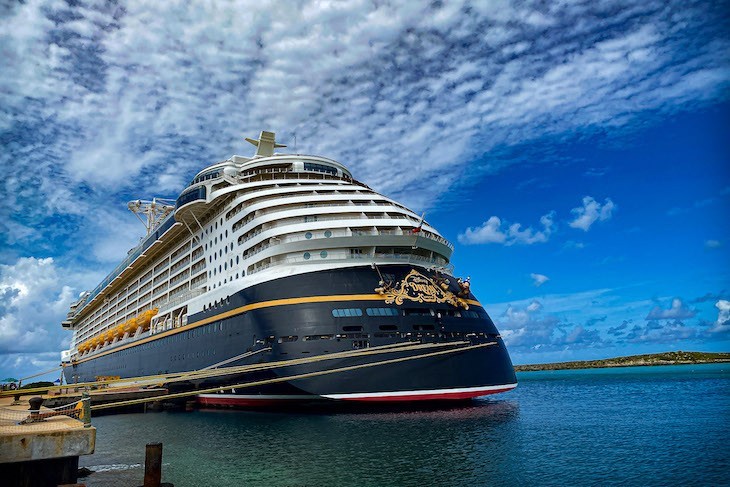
321	313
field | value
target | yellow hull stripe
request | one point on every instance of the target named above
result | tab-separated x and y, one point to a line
251	307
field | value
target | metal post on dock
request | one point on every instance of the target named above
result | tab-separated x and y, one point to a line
86	398
153	465
35	409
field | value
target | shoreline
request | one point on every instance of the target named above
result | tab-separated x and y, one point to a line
665	358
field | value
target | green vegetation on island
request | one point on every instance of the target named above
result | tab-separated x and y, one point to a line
664	358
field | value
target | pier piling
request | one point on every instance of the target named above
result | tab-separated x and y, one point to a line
153	465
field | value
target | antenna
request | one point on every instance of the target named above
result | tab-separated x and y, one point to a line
151	213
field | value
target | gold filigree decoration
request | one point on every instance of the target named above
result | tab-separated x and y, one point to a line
421	289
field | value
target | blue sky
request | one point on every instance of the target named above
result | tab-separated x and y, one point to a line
576	153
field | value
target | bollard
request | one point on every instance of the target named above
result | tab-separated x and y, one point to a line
153	465
35	408
86	398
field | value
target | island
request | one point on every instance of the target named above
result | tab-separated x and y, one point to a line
664	358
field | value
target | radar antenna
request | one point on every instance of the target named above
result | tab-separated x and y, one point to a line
151	213
266	143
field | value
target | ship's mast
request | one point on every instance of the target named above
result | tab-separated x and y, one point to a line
151	213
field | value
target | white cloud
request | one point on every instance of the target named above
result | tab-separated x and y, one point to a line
722	324
492	231
677	311
713	244
590	212
33	301
140	95
539	279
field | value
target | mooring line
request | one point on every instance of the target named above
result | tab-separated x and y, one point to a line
203	374
288	378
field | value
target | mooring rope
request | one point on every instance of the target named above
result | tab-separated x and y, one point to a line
204	374
200	374
288	378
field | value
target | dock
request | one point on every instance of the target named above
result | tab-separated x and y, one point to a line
42	452
41	445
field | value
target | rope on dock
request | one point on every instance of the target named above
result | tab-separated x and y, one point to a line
26	416
289	378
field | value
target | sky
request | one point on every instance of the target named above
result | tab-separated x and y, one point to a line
575	152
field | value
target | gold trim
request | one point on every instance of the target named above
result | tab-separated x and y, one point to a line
421	289
251	307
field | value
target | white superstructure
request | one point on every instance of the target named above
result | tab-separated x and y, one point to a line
241	222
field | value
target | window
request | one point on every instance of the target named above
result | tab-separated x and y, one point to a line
310	166
388	327
381	311
327	233
308	235
352	328
423	327
323	254
307	255
318	337
417	312
346	312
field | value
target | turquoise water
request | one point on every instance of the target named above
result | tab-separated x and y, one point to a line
632	426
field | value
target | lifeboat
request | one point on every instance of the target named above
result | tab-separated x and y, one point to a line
109	335
130	326
119	331
144	318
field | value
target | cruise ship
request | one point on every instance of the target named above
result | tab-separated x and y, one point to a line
287	260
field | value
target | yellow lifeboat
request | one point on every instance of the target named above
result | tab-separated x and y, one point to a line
109	335
119	331
130	326
144	318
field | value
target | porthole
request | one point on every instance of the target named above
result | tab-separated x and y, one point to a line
225	265
323	254
306	255
308	235
327	233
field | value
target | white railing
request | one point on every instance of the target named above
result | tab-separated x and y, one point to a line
182	297
400	258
